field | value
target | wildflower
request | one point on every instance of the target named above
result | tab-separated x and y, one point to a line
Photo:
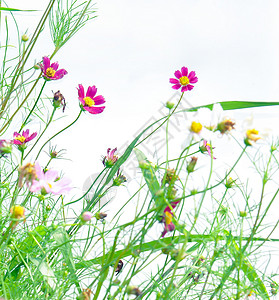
133	290
27	173
89	101
170	176
5	147
206	147
50	71
252	135
49	182
86	216
119	179
167	218
17	212
100	215
22	139
191	165
225	126
110	159
58	100
183	79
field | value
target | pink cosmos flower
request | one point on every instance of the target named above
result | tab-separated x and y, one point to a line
22	139
50	71
206	147
110	159
49	182
183	79
89	100
167	218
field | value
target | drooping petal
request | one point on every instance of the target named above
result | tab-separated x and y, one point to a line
95	110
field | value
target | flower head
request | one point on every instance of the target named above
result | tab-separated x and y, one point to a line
119	179
86	216
50	71
252	135
22	139
5	147
27	173
184	80
17	212
167	218
90	100
206	147
110	159
49	182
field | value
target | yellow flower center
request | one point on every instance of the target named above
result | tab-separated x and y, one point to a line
184	80
49	185
50	72
17	211
20	138
196	127
168	218
88	101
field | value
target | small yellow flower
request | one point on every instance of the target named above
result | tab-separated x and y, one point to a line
252	135
17	212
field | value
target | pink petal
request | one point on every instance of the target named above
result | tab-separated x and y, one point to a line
31	137
193	80
16	134
39	170
190	87
25	133
99	100
94	110
54	66
173	80
91	91
184	88
17	142
51	175
177	74
60	74
184	71
46	62
82	101
80	91
176	86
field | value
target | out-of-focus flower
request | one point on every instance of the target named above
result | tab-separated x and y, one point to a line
191	165
27	173
21	139
86	216
206	147
17	212
50	71
171	176
252	135
5	147
119	179
90	100
100	215
184	80
49	182
133	290
58	100
225	126
167	218
85	294
110	159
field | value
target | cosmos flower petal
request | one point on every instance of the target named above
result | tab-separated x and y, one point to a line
177	74
175	81
80	91
184	72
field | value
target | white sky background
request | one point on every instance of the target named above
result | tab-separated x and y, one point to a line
132	49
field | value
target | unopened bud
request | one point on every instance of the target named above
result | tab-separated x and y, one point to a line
100	215
169	105
191	165
133	290
25	38
86	216
243	214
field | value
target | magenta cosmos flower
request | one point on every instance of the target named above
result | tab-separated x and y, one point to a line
183	80
89	100
167	218
50	71
22	139
206	147
110	159
49	182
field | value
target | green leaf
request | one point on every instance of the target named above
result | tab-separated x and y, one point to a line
230	105
15	9
45	270
148	173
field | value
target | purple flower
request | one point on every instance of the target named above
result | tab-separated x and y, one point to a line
167	218
49	182
110	159
25	137
183	79
50	71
